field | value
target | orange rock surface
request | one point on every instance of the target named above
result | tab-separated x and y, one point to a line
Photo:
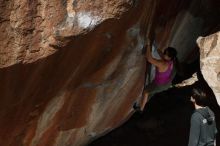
71	70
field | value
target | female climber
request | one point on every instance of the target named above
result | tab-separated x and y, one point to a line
165	71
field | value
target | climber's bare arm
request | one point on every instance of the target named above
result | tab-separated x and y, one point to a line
160	52
156	62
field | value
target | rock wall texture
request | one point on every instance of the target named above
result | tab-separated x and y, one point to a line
30	28
70	70
210	61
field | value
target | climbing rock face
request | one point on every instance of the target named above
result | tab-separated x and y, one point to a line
70	71
210	61
29	28
26	29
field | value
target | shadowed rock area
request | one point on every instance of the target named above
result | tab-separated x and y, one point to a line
165	121
70	70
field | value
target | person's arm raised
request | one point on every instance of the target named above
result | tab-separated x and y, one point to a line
156	62
160	52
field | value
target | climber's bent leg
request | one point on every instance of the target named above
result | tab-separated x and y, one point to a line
144	100
150	90
146	94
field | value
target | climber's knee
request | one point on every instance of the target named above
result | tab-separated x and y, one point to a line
146	93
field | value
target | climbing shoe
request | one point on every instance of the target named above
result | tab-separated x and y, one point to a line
137	107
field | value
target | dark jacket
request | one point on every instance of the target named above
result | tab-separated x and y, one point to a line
203	128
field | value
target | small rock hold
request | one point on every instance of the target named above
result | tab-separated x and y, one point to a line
218	76
92	134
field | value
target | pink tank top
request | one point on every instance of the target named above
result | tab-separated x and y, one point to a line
164	77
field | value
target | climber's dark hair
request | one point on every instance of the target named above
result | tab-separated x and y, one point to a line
199	96
171	52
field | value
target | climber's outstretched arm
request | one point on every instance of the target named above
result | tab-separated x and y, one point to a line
160	52
156	62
